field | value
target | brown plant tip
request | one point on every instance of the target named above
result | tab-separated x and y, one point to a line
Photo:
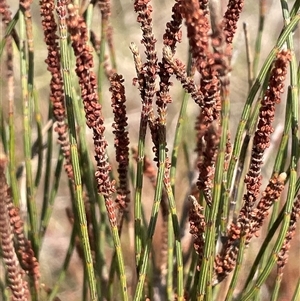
264	130
56	83
173	33
147	76
15	274
197	30
105	9
284	251
6	18
197	226
5	12
120	124
272	97
271	194
206	166
231	17
208	64
29	261
25	4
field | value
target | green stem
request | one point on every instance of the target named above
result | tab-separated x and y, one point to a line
48	202
90	183
39	142
26	97
138	191
48	171
175	222
9	29
262	13
80	214
155	208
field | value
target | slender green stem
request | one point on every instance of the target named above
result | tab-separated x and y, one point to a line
101	71
88	16
170	263
138	192
175	222
192	275
39	144
262	13
155	208
48	170
33	230
79	204
295	8
12	154
3	133
176	227
90	183
275	290
120	261
48	202
178	139
9	29
248	55
280	157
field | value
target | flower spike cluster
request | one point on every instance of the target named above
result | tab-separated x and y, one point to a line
56	83
149	71
197	226
231	17
211	62
93	110
263	133
250	219
283	253
15	274
120	124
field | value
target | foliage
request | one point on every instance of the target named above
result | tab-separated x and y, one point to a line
141	227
